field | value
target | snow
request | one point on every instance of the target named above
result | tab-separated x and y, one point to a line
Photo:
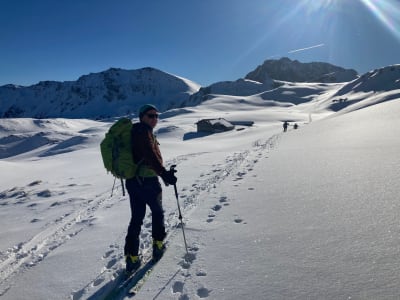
308	214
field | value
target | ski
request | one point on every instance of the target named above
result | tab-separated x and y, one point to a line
134	288
129	281
122	285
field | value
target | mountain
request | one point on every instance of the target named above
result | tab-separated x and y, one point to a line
371	88
270	75
117	92
285	69
240	87
114	92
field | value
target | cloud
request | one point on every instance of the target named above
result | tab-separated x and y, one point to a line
308	48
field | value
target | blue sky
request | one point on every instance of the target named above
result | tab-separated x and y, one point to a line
205	41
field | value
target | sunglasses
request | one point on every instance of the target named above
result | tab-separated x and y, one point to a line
152	116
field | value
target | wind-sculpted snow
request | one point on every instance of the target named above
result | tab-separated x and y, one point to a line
44	137
16	144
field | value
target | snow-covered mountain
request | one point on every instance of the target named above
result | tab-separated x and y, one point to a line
114	92
286	69
273	74
240	87
117	92
373	87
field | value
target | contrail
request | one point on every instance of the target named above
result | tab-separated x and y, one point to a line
303	49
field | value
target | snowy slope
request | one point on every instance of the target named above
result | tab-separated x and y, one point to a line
311	214
307	214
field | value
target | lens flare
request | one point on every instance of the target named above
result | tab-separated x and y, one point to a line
387	12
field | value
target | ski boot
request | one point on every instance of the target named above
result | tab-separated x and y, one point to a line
132	263
158	250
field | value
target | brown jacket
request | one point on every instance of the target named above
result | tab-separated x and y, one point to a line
145	151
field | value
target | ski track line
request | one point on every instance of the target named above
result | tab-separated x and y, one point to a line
190	196
114	262
232	164
246	159
25	255
110	277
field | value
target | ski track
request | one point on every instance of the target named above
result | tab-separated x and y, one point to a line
28	254
237	165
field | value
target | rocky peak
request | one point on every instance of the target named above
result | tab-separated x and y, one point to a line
286	69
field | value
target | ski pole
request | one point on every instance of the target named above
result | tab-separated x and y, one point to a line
112	190
180	214
180	218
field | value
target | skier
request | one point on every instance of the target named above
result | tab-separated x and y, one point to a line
145	188
285	126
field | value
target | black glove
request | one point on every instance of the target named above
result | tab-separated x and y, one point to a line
168	177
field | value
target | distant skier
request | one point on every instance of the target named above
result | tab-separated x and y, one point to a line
145	189
285	126
295	126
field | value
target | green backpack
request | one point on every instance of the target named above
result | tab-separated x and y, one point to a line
116	150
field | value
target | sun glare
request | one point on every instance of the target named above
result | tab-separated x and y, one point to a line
387	12
316	5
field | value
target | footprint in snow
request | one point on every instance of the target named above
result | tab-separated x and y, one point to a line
216	207
36	182
223	200
189	258
237	179
201	273
111	263
44	194
203	292
55	204
177	287
184	297
108	253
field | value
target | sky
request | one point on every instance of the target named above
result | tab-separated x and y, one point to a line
205	41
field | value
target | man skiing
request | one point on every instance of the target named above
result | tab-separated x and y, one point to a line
145	189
